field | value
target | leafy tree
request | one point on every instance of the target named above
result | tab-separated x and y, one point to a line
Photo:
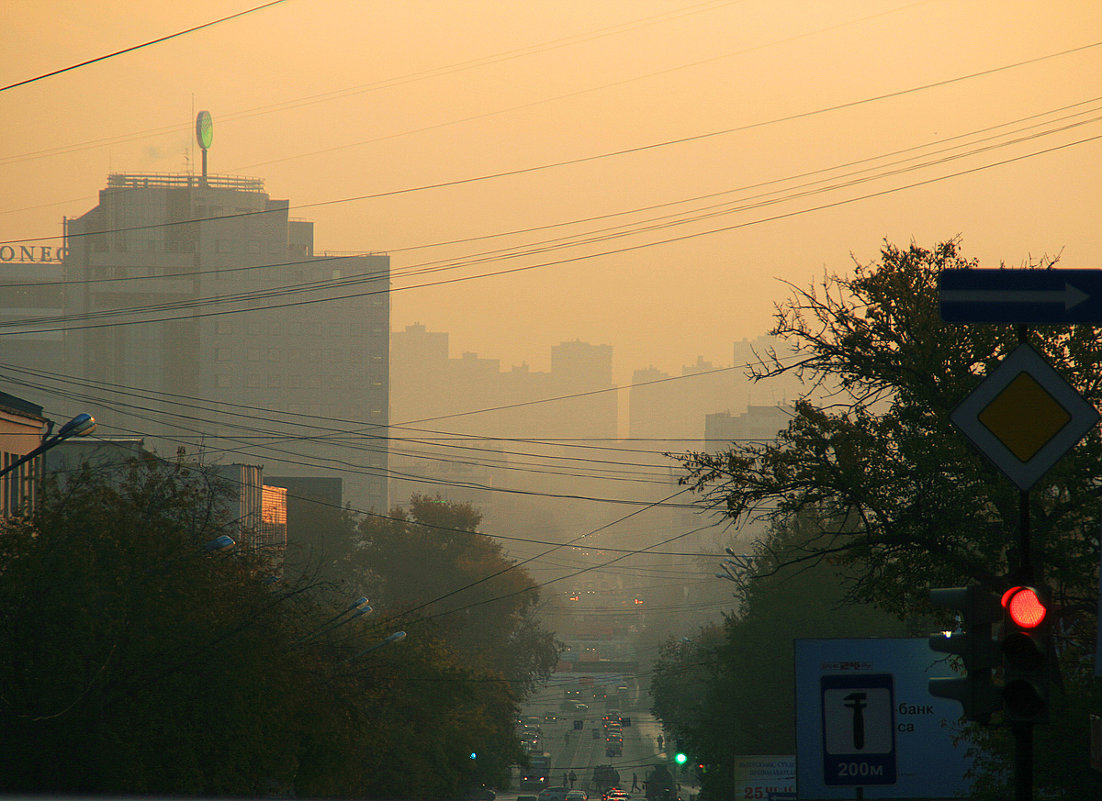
910	501
118	665
133	661
728	690
431	564
905	501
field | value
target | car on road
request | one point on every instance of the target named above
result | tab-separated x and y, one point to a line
577	795
482	793
612	794
553	794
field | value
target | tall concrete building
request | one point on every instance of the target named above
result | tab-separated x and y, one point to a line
197	311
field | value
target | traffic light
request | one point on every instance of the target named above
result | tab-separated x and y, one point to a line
979	652
679	756
1025	654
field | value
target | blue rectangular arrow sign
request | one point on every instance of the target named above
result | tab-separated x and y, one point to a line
1021	296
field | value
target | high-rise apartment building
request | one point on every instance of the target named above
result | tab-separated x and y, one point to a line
196	310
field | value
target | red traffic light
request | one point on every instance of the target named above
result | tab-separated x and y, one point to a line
1025	607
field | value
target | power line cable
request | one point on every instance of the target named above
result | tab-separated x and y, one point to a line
601	156
341	465
384	84
580	92
472	63
141	46
584	257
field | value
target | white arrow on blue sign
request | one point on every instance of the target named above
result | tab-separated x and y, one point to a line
1020	296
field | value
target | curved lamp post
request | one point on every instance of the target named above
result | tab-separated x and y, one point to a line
398	635
222	543
356	609
79	426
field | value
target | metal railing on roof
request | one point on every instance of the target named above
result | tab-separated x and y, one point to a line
166	180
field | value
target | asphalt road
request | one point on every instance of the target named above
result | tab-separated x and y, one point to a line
580	750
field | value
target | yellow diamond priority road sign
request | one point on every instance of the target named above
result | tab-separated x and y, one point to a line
1024	416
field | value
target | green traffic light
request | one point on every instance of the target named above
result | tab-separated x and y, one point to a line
680	758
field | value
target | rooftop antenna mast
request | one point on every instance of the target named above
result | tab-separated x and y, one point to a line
204	133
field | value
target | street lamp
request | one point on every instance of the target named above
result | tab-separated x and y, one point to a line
356	609
79	426
398	635
218	544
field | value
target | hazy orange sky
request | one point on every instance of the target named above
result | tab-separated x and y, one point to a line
705	160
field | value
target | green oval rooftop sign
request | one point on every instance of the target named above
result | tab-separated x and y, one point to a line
204	129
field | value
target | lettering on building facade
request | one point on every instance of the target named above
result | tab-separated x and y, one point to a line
32	253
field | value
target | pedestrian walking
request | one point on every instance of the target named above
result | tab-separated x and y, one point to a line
634	783
573	778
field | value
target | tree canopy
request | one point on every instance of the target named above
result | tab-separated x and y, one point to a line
728	689
905	498
429	563
900	501
133	660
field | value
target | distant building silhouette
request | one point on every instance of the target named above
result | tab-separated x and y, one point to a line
473	399
757	423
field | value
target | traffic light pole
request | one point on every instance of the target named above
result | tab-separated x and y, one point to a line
1023	731
1023	761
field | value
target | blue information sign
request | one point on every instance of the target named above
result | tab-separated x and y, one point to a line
1021	296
